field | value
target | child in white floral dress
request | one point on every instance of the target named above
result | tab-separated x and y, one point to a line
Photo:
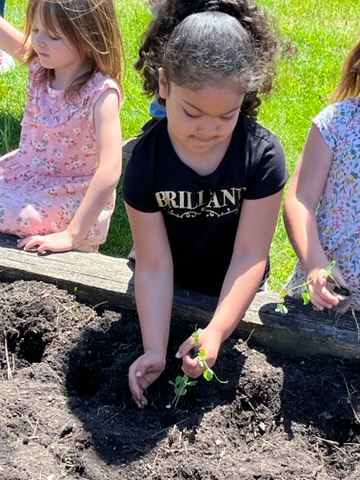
57	191
322	208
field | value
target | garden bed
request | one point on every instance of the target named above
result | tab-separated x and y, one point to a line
66	411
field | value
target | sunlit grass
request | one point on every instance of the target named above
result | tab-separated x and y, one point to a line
322	31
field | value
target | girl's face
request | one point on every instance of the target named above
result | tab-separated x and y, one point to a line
199	121
54	50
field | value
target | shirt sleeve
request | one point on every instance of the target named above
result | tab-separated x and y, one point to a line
138	183
332	122
271	173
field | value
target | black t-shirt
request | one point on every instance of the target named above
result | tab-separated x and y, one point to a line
201	212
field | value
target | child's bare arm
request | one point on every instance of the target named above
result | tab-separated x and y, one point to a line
301	202
154	295
246	270
105	179
12	40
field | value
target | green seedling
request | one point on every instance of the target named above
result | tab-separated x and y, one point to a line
208	374
182	383
281	307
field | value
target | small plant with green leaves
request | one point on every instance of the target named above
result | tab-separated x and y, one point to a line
281	307
182	383
181	386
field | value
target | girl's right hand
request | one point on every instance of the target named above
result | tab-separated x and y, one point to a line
143	372
210	341
54	242
320	296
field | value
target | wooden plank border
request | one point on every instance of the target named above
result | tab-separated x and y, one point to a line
100	279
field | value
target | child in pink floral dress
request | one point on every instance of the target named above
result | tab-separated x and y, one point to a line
322	207
57	191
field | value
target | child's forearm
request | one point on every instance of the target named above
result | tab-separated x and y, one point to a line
247	267
302	200
107	175
154	294
12	41
240	286
99	192
301	226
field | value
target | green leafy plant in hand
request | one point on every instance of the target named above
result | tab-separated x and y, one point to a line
182	383
281	307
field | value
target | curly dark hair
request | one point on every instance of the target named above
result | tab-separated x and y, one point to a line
209	41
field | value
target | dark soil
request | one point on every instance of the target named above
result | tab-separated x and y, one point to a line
66	411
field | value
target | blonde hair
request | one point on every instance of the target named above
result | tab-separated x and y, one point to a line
90	26
349	85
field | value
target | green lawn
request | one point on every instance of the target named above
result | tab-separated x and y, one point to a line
322	31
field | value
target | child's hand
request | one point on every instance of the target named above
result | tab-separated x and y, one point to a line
142	373
209	341
320	296
54	242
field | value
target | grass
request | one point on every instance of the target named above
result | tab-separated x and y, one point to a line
322	31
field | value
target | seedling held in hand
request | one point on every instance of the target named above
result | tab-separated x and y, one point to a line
281	308
182	383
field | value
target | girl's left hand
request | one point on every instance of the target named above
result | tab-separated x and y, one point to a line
210	341
54	242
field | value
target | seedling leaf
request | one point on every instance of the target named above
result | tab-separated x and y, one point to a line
306	297
281	308
180	387
208	374
196	336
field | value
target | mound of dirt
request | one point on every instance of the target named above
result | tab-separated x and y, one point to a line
66	411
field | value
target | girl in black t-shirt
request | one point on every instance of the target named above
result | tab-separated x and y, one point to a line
203	187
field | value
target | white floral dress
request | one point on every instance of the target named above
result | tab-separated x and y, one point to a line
338	213
43	183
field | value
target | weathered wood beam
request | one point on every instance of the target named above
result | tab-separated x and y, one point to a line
100	279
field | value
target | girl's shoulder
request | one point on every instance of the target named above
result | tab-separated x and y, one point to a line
341	111
334	119
91	91
98	83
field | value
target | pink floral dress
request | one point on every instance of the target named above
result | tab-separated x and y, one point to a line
43	183
338	214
